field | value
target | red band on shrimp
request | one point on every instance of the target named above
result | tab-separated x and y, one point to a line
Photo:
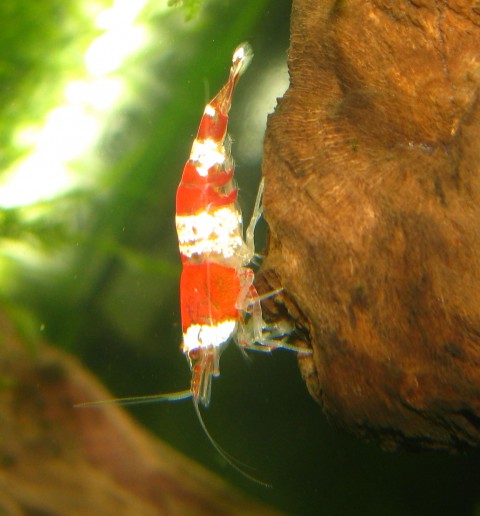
192	200
213	125
208	294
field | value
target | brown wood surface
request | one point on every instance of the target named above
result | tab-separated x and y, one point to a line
58	460
372	196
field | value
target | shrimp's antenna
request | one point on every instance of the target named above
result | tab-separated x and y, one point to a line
235	463
177	396
138	400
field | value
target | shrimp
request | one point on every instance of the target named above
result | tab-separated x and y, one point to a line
216	287
218	300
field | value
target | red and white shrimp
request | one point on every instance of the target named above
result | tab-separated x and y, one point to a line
216	287
219	302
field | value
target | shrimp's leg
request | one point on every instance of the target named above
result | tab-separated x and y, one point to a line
257	213
257	335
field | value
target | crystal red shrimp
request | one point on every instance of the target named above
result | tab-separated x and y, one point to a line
216	286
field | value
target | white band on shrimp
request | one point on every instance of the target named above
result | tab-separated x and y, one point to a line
208	335
207	154
218	232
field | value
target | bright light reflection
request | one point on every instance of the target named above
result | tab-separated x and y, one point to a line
71	129
107	53
101	94
121	15
68	132
37	177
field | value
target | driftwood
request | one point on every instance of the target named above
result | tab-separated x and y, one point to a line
372	196
58	460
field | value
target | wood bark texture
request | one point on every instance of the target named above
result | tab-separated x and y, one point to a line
372	196
58	460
